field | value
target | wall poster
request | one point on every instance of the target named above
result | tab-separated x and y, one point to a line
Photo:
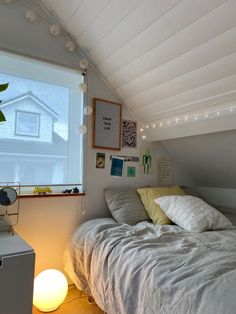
117	167
164	172
106	124
129	134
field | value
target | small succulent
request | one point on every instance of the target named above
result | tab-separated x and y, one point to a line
3	87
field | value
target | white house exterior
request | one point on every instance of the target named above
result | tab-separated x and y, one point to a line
28	140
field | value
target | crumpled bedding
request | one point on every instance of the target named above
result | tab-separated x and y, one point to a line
147	268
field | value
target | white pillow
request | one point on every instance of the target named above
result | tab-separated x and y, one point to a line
192	213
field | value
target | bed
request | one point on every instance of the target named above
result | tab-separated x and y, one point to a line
147	268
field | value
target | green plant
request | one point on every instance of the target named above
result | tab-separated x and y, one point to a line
3	87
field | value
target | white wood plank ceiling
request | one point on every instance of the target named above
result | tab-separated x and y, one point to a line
164	58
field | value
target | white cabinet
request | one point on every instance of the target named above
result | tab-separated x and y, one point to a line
16	275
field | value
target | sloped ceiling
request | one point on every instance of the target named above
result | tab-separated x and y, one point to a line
172	62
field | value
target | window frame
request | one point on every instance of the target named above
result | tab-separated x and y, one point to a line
17	113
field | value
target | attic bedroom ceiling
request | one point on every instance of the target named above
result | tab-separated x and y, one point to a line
172	62
164	58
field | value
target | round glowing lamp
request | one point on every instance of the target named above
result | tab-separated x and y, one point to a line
50	290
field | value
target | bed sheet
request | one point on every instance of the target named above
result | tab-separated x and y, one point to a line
147	268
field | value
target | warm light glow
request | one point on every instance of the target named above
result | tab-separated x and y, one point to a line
50	290
143	137
141	130
161	124
147	126
218	113
154	125
206	116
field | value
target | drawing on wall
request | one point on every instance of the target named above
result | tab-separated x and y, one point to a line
147	161
117	167
100	160
131	171
164	172
129	134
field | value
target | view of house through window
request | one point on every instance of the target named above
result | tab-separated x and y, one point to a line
40	142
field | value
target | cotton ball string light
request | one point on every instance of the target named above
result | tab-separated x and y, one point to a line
83	87
83	64
30	15
70	46
83	129
88	110
55	30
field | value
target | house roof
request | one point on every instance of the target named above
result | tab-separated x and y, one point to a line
34	98
58	147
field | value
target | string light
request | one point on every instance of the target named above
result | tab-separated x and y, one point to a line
30	15
83	64
88	110
55	30
144	137
70	46
141	130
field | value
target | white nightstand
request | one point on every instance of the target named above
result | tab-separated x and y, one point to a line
16	275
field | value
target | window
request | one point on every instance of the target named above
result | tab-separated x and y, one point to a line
27	123
40	142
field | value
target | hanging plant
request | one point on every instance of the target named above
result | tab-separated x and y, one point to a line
3	87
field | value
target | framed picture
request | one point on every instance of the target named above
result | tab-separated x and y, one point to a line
106	124
129	134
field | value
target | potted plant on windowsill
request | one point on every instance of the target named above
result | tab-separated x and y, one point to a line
3	87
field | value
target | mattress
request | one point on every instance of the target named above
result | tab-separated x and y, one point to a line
147	268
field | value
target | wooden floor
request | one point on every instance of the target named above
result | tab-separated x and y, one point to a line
75	303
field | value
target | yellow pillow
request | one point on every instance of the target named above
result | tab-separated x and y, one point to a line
148	195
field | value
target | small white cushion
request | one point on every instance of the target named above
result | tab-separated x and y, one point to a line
192	213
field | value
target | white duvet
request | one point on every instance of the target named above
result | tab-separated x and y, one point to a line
147	269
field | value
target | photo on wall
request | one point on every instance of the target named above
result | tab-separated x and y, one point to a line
129	134
100	160
117	167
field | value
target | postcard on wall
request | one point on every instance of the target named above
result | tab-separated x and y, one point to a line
129	134
100	160
131	171
164	172
117	167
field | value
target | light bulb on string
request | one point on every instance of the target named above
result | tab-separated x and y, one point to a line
83	64
83	129
88	110
70	46
30	15
55	30
83	87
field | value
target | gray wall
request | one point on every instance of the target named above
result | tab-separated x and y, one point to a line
210	160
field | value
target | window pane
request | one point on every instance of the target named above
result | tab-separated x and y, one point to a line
40	142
